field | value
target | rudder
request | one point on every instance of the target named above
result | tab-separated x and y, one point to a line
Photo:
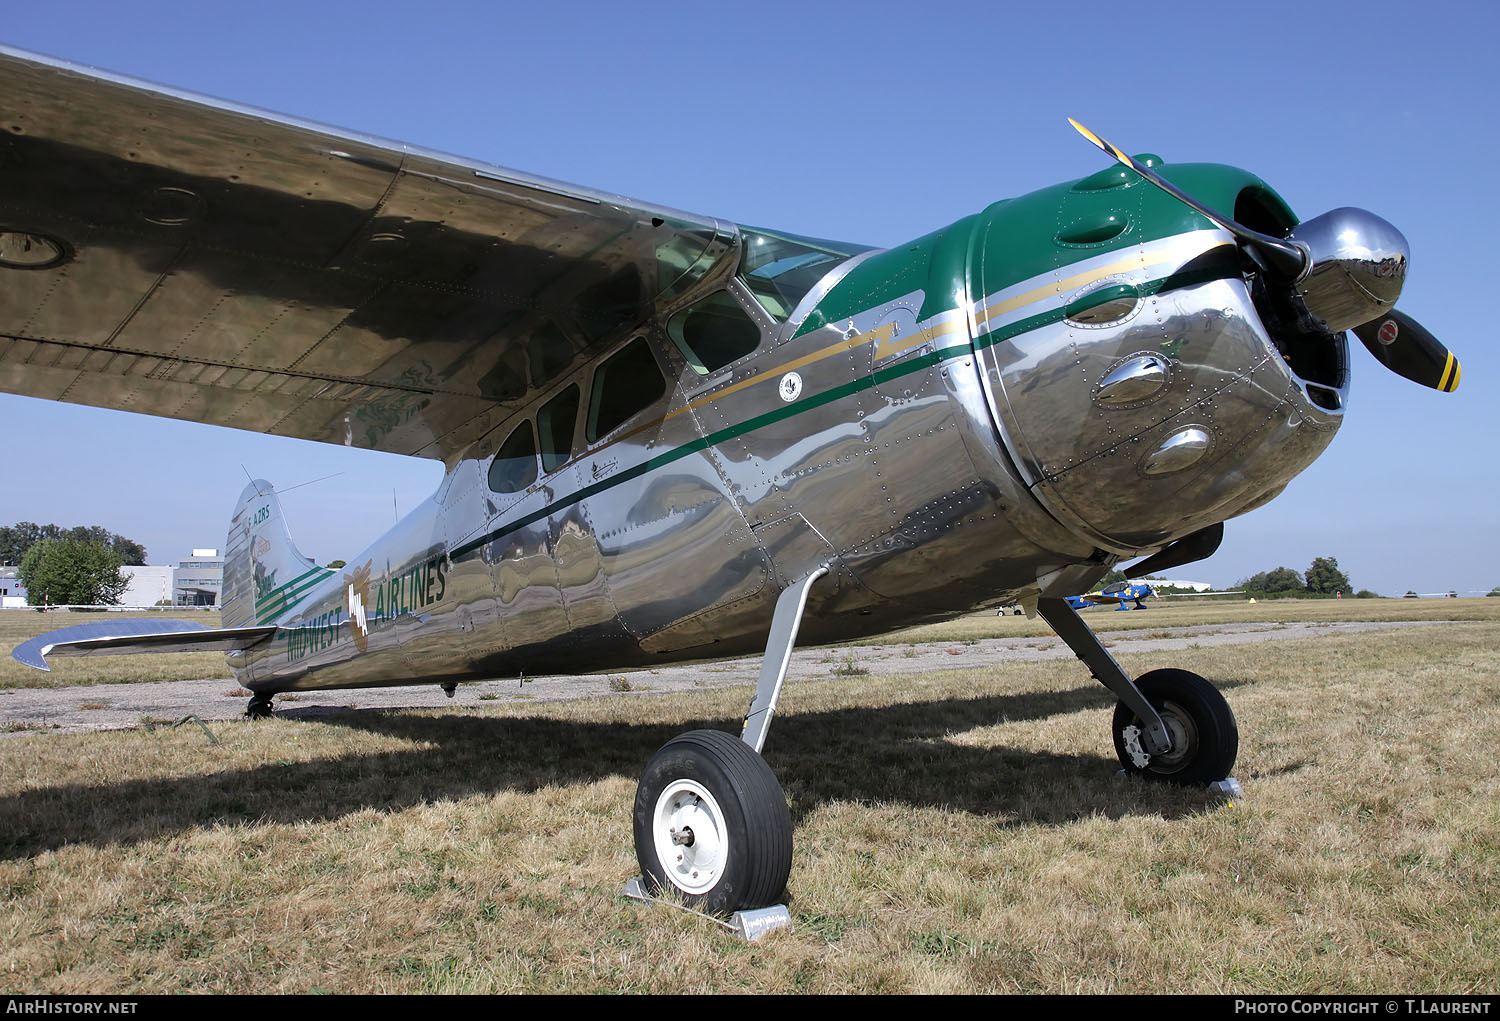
263	570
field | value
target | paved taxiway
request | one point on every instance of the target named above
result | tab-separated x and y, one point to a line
123	706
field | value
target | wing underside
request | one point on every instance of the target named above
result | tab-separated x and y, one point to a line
178	256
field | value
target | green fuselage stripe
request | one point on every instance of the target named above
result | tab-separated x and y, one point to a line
891	372
1192	278
905	367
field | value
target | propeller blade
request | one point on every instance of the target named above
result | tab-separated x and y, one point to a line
1346	268
1405	347
1288	259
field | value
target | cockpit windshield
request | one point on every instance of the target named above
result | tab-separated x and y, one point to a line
780	268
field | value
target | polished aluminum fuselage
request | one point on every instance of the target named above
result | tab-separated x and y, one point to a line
998	411
939	461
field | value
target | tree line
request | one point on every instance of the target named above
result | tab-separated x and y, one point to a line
79	565
16	539
1323	578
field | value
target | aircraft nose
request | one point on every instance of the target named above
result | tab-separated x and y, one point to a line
1175	415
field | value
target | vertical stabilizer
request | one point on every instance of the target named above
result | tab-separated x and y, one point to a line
263	572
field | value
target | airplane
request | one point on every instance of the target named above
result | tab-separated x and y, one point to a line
1121	593
667	436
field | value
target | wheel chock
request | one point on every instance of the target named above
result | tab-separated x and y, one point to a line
748	925
1228	788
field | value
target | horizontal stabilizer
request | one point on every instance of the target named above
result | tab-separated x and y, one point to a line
135	635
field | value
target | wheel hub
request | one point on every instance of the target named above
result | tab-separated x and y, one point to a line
1183	733
689	834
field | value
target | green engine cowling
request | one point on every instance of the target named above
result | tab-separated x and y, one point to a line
1129	360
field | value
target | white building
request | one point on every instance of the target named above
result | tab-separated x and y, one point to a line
199	579
148	586
12	592
1196	586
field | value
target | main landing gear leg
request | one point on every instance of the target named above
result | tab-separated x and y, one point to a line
1169	725
711	822
259	707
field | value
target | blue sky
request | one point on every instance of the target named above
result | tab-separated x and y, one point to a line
870	122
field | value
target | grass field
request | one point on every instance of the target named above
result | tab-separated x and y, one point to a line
16	626
956	832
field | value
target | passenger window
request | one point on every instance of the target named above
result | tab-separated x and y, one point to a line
514	467
713	332
626	382
554	426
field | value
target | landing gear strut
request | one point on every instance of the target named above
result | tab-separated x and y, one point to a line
711	822
1169	725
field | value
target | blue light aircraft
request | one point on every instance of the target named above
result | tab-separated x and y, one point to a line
1122	594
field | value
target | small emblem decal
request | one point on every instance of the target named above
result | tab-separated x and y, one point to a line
1388	331
791	387
357	599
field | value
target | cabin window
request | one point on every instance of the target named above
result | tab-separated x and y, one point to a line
626	382
554	426
506	380
551	354
514	467
780	268
713	332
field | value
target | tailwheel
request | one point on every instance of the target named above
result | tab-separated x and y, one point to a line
259	707
1205	738
712	825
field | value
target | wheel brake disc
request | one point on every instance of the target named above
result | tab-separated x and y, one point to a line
1138	755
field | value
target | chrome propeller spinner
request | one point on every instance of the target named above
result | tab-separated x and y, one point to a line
1345	269
1356	266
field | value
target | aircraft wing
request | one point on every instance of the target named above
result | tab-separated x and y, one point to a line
180	256
132	635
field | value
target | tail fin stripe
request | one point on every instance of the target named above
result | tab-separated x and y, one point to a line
289	597
299	583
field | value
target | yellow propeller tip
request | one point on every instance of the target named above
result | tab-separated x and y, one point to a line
1450	380
1086	133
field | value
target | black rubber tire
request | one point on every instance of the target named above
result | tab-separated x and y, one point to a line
1191	707
259	707
756	822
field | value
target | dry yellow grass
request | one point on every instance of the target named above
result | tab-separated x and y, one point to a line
960	832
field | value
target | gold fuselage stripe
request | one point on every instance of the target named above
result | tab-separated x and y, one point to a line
1071	283
886	344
